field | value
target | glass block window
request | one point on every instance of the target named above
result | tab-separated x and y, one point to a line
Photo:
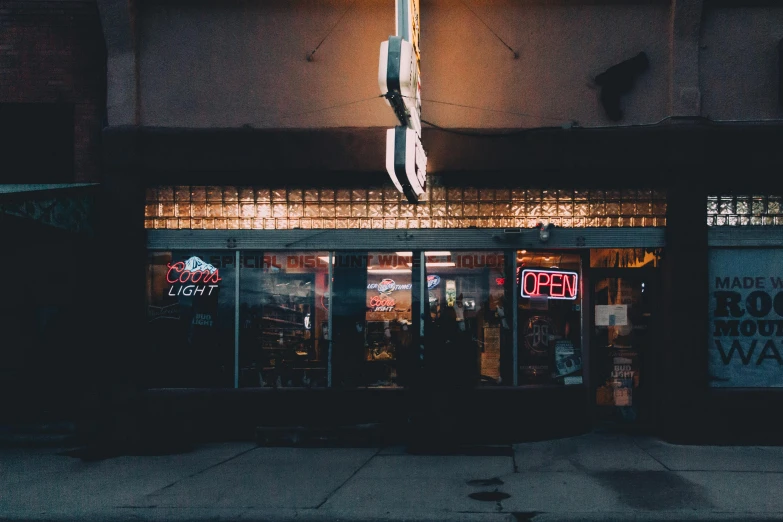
738	210
230	207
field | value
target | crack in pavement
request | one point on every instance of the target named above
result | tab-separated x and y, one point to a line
325	500
211	466
636	443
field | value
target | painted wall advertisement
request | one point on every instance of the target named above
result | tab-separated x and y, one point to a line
746	317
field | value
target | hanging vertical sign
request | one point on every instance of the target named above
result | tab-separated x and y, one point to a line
399	79
406	162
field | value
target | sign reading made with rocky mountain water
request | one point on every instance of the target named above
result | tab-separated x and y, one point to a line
746	317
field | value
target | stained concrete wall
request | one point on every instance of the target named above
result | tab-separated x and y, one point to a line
234	63
738	62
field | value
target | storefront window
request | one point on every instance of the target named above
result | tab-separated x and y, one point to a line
622	341
372	318
549	318
745	318
470	333
190	314
283	319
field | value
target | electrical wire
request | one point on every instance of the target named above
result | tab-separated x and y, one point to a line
336	106
310	56
487	134
525	114
565	123
516	54
575	125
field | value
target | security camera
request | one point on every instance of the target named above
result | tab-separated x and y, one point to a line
543	231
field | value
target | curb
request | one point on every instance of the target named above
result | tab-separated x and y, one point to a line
316	515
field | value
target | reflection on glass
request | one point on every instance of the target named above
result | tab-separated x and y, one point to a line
468	334
388	316
371	318
549	318
283	319
190	319
621	341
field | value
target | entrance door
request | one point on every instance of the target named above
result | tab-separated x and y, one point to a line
623	351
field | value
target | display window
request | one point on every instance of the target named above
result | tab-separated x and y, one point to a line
469	337
190	318
625	257
283	319
346	318
549	318
372	318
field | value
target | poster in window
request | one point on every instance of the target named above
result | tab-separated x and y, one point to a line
745	317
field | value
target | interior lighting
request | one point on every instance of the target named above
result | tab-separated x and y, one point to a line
437	253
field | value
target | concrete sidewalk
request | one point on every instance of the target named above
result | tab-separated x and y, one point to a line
590	477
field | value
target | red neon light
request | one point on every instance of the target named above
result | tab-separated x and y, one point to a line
548	283
500	281
178	274
382	303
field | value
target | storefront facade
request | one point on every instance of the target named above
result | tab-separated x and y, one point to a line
559	307
319	293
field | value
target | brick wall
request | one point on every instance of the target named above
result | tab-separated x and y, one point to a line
54	52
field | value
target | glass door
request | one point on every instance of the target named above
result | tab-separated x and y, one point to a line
623	350
283	319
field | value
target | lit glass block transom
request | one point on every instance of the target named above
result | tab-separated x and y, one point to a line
231	207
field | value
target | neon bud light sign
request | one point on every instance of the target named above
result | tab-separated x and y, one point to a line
553	284
193	277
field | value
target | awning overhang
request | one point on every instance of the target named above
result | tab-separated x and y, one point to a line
65	206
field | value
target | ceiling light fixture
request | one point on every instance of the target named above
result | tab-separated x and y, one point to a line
434	253
437	263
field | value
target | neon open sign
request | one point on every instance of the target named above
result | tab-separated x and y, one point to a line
553	284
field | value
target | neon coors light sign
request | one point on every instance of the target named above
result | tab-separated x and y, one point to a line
193	277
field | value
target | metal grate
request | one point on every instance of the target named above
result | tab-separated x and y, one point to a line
744	210
236	208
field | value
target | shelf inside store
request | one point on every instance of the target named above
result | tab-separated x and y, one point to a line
285	308
283	321
275	332
312	368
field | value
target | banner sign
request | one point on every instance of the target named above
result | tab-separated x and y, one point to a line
746	317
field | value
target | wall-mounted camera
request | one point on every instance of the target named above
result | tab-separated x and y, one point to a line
543	231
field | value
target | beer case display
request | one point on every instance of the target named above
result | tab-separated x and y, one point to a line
381	336
286	320
284	327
